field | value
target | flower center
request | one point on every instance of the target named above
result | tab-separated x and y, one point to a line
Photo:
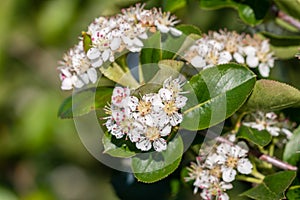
144	107
212	58
216	171
152	133
170	107
231	162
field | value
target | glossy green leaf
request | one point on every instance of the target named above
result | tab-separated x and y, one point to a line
293	193
291	7
151	52
269	95
84	101
273	186
152	167
291	152
261	138
115	73
172	5
220	92
246	13
188	29
110	148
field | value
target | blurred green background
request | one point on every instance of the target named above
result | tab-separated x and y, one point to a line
41	156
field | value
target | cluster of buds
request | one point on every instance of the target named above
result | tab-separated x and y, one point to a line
224	46
147	121
109	36
213	173
270	122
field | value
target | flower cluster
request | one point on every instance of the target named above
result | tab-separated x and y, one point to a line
224	47
149	120
269	122
109	36
213	173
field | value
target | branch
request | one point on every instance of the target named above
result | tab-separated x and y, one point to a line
290	20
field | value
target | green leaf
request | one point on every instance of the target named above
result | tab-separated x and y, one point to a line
289	7
293	193
188	29
273	186
172	5
152	167
110	148
269	95
284	47
246	13
220	92
291	152
151	52
84	101
261	138
115	73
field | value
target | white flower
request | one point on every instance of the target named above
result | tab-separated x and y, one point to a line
119	95
153	136
234	159
224	46
216	191
269	122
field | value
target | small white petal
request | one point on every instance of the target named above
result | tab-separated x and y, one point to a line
165	94
144	144
176	119
252	61
96	63
92	74
166	131
249	51
175	32
127	40
136	41
244	166
105	55
228	174
159	144
238	58
143	36
77	82
198	62
162	28
264	69
181	101
85	78
67	84
225	56
115	44
93	53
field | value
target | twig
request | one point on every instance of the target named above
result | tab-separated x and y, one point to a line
278	163
292	21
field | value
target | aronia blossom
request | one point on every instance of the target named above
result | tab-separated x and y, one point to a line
224	46
109	36
147	121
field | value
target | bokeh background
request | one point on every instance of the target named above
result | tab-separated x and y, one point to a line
41	156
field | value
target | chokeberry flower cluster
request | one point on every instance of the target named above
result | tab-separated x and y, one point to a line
213	173
149	120
225	46
270	122
109	36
